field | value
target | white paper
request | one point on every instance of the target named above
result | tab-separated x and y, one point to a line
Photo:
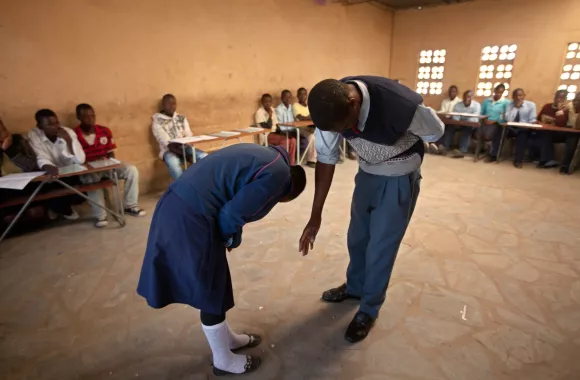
250	130
192	139
18	181
225	134
527	125
70	169
103	163
462	114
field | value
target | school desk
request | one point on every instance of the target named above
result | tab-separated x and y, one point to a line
297	125
447	120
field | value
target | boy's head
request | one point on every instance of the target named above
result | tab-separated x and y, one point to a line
560	97
298	183
498	92
332	106
266	101
47	122
467	96
302	95
168	104
518	96
86	114
453	92
286	97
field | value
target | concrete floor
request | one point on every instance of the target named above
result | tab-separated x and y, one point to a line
498	243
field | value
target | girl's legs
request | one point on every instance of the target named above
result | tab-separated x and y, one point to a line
222	340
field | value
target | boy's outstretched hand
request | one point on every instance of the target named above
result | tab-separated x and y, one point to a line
308	237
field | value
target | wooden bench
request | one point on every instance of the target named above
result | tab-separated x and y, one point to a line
57	193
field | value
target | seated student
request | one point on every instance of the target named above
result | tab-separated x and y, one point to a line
198	218
518	111
573	138
555	113
494	108
301	112
447	105
468	105
284	114
266	118
98	143
56	146
167	125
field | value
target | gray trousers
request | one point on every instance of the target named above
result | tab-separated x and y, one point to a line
380	213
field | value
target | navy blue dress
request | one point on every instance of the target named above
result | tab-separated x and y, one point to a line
185	261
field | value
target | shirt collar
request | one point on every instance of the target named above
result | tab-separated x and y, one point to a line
365	106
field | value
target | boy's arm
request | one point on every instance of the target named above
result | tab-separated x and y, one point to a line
250	200
426	124
159	133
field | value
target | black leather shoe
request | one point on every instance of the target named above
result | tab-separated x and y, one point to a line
359	327
337	294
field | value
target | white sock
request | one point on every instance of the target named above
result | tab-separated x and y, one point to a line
237	340
218	337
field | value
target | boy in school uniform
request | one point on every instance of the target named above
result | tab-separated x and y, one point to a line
555	113
447	106
200	216
167	125
468	105
494	108
301	112
97	143
386	124
266	118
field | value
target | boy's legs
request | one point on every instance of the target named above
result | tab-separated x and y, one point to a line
131	176
571	146
311	151
448	136
173	163
522	138
464	139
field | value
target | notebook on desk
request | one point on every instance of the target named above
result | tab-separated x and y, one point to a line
527	125
192	139
225	134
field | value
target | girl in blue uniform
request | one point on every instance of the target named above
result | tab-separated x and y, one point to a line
196	220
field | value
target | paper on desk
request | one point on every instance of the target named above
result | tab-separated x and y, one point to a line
18	181
462	114
527	125
104	163
192	139
225	134
250	129
70	169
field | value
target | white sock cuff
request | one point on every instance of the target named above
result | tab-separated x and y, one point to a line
214	327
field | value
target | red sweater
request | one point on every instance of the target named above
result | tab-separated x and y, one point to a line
550	115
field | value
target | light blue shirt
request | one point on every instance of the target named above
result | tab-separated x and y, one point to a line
285	115
425	125
527	111
495	111
473	108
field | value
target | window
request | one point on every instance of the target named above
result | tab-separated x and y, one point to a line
430	72
497	64
570	76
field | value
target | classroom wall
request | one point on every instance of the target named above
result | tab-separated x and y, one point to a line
217	57
541	29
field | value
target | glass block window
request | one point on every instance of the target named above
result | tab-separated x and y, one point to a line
430	72
570	75
497	64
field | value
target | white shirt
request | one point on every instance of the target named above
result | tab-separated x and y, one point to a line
262	116
447	104
285	115
55	154
167	128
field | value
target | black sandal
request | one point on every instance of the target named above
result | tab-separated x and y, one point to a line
252	364
255	341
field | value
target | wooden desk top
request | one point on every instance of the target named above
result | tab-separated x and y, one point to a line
298	124
543	127
88	171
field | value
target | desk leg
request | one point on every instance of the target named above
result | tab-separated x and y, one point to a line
344	148
194	154
287	142
265	139
298	160
501	141
304	156
184	156
479	143
66	185
24	207
121	208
